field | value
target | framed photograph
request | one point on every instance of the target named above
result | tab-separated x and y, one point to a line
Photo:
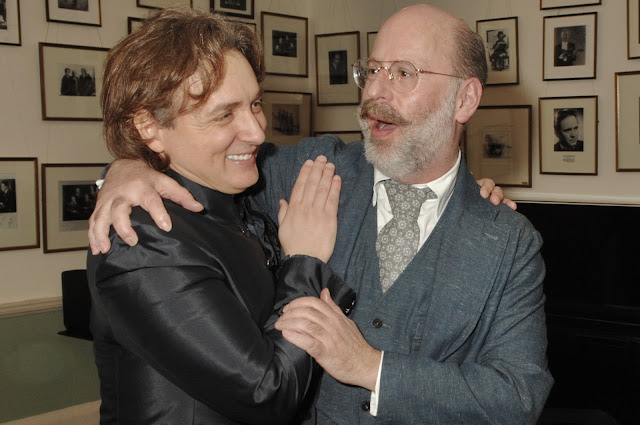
19	213
568	135
288	116
371	37
346	136
497	143
71	81
558	4
569	47
10	23
628	121
285	44
161	4
81	12
335	53
68	197
633	29
133	24
239	8
500	38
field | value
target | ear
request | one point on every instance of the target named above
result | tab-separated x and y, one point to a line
149	130
469	96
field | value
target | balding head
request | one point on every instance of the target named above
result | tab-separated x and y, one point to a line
432	39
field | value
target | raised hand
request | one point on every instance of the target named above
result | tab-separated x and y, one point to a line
308	222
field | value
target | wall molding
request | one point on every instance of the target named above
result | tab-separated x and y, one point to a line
39	305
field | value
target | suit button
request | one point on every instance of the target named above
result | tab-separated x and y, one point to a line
365	406
377	323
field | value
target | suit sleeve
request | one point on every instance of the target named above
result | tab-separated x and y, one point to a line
507	380
182	318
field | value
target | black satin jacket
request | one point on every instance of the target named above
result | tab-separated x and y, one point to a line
183	321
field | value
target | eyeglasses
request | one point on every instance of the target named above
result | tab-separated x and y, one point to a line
403	74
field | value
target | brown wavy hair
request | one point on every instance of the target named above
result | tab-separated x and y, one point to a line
146	69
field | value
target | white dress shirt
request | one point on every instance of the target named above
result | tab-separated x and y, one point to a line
430	213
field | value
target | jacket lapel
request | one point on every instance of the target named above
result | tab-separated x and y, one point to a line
468	260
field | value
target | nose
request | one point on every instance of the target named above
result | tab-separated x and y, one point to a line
252	128
379	87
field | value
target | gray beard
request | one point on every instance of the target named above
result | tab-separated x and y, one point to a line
420	141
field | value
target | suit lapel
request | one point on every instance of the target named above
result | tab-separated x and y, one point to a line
469	256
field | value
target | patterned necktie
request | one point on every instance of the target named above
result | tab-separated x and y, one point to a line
398	240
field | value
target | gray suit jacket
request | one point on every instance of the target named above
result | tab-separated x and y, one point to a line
462	329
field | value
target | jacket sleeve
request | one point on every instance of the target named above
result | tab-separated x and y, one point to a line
182	318
506	381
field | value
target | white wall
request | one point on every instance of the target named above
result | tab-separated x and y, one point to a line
30	274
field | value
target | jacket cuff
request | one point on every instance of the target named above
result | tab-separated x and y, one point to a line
302	275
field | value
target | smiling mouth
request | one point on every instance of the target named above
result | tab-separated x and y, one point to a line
240	157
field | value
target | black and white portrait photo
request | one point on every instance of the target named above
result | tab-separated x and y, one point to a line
8	196
285	119
285	43
338	67
78	201
234	4
569	45
78	80
498	43
568	130
82	5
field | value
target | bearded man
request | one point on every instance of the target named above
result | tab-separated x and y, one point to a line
454	332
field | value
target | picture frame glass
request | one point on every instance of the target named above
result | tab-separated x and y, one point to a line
10	33
500	37
288	116
285	41
81	12
68	199
238	8
569	47
497	144
568	129
71	81
335	53
19	213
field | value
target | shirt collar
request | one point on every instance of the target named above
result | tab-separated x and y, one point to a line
442	186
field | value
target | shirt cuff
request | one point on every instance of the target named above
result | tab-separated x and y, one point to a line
373	403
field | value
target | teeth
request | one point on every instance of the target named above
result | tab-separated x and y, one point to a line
239	157
381	126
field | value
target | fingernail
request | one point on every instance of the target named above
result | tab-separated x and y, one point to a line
131	241
164	225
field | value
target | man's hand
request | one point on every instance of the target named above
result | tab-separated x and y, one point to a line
488	189
309	221
131	183
319	327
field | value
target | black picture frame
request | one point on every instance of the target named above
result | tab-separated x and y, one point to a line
87	12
